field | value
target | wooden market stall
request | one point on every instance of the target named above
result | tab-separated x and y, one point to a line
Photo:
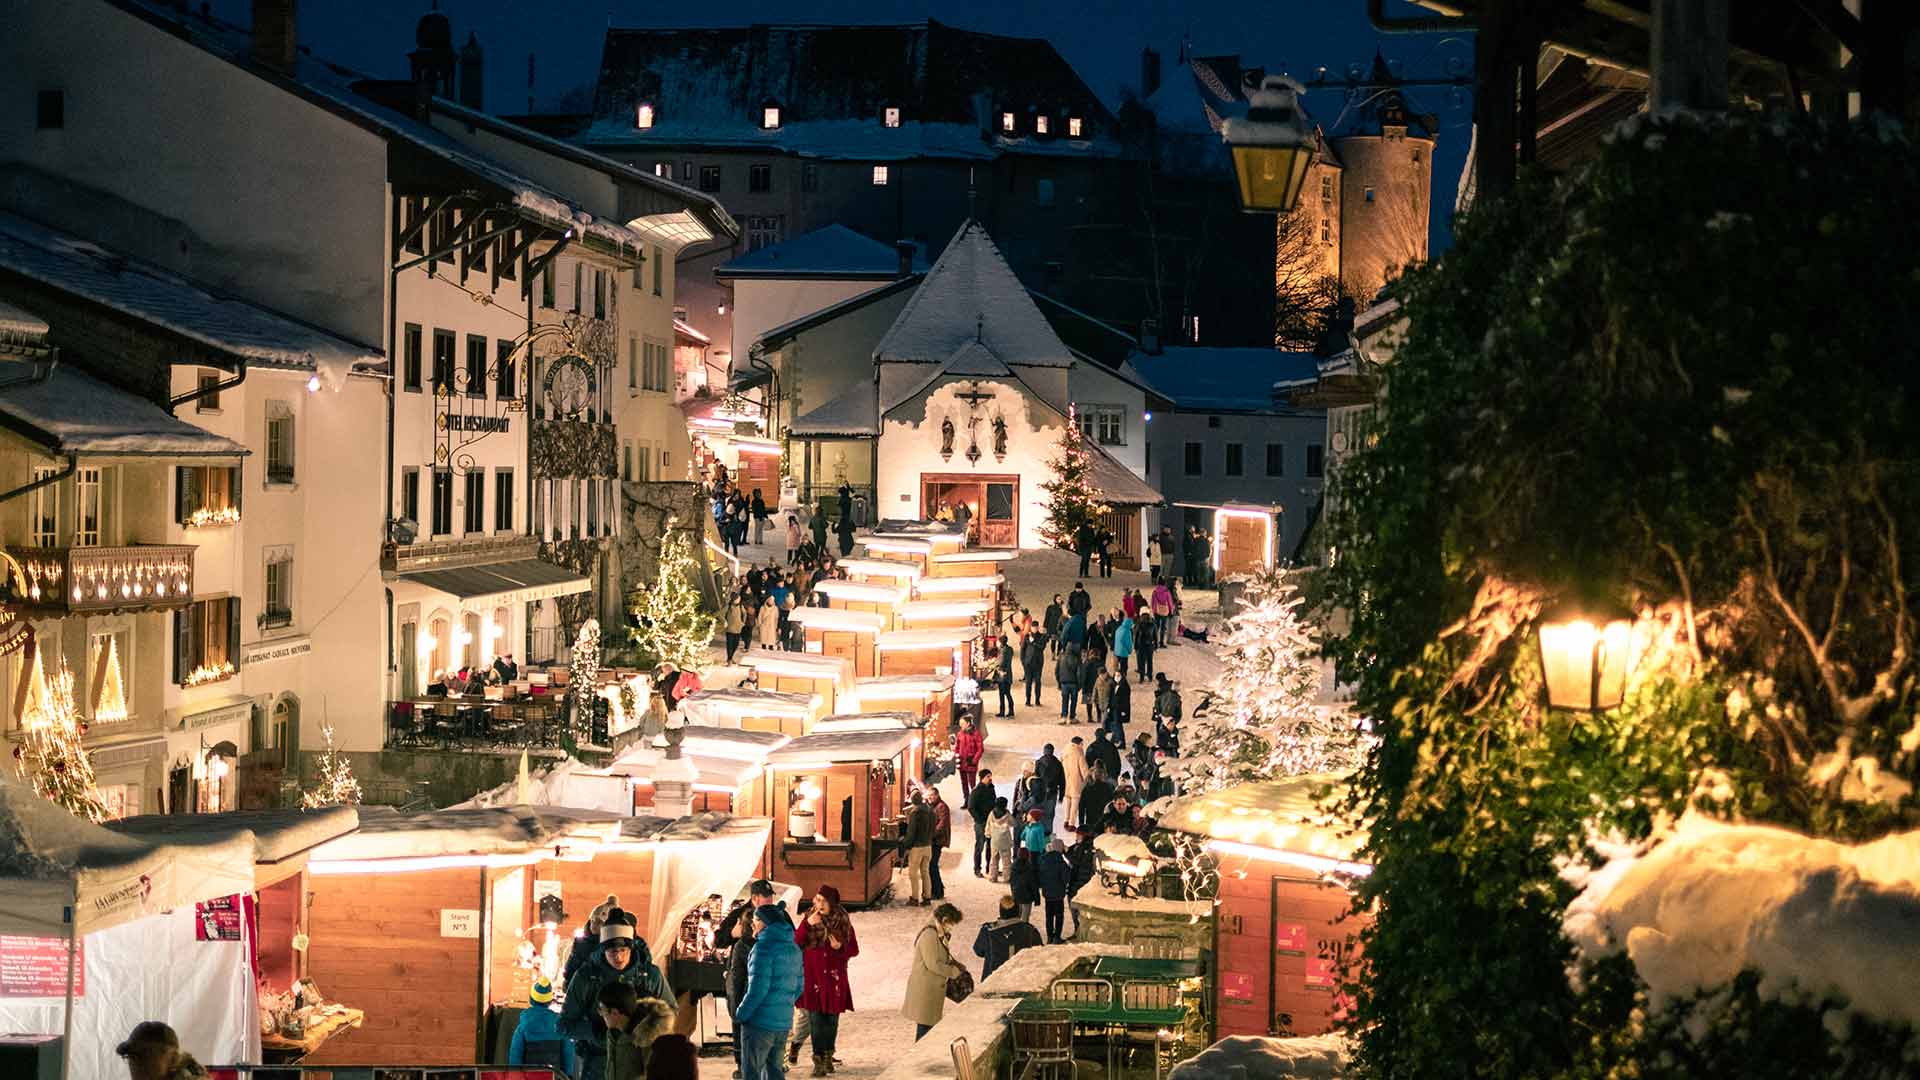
947	651
789	713
927	696
837	632
452	896
1244	536
943	613
839	795
881	571
969	563
1283	928
968	587
913	550
282	840
729	765
801	673
882	599
942	536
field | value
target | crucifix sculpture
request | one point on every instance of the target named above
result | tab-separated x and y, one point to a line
973	439
973	397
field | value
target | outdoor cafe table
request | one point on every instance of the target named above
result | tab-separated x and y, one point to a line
1123	968
1110	1018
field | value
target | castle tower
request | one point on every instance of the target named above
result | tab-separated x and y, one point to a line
1386	185
473	81
433	58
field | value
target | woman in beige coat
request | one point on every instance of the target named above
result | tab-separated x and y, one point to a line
933	965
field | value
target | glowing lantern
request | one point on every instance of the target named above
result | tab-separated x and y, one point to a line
1584	655
1273	147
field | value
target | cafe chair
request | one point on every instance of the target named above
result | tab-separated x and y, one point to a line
445	721
962	1059
1043	1043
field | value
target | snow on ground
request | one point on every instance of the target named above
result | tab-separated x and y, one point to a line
1312	1057
875	1034
1815	918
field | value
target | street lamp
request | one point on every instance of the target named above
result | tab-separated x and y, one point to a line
1273	147
1585	651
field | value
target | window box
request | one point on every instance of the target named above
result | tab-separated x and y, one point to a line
273	619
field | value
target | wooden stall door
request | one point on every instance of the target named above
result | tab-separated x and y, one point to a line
1313	941
1124	524
508	982
1000	524
846	644
374	934
1242	543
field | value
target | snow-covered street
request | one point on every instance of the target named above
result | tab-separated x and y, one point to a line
873	1035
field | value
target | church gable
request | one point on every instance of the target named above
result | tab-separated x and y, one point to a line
971	295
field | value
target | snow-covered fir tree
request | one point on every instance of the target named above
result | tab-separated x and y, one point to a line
50	755
336	786
1265	720
583	672
1073	500
668	622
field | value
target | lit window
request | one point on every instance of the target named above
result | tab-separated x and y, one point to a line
879	176
663	168
891	118
770	117
1006	121
1369	195
644	117
1040	124
1073	126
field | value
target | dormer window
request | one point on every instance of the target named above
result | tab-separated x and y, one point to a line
1040	124
769	117
1073	127
643	116
891	116
1006	122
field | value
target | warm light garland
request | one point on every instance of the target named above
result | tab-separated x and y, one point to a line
204	518
210	673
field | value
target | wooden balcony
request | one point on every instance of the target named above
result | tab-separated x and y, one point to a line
104	580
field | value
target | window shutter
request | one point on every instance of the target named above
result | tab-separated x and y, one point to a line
181	620
183	494
233	631
234	486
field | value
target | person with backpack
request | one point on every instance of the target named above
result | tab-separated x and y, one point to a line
623	957
536	1038
998	941
1066	673
1054	875
1033	664
1146	639
979	805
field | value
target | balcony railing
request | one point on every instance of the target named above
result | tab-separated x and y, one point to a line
82	580
478	724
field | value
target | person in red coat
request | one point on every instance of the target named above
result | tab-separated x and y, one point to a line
827	942
968	747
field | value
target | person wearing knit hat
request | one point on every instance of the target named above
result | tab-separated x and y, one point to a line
536	1038
622	957
587	940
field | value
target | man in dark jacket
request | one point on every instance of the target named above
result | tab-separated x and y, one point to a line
979	808
586	941
623	957
1166	717
998	941
1095	797
1106	753
775	976
1066	675
1078	602
1089	677
1055	875
1050	771
917	838
942	838
1083	545
1033	664
1055	617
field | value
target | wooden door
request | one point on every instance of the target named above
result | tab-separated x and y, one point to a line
1242	543
1000	517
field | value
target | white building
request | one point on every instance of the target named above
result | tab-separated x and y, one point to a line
970	391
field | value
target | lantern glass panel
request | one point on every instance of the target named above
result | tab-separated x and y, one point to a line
1584	661
1271	176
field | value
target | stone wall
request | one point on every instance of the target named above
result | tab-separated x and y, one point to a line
1099	917
397	777
647	506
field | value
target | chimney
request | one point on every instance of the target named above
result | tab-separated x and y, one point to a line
1149	72
1150	336
275	37
905	250
473	81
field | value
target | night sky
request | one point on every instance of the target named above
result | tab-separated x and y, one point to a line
1101	38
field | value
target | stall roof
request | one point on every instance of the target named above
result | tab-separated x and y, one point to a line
973	555
871	592
523	580
803	665
1281	814
944	609
889	568
838	619
868	721
277	834
774	702
960	584
842	746
918	528
947	637
906	684
704	826
53	864
386	833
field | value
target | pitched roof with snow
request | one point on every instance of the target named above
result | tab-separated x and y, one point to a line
707	87
165	300
71	412
779	335
1211	379
834	251
853	414
1117	483
970	295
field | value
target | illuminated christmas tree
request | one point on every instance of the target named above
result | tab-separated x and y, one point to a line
1073	500
668	623
110	696
50	756
337	786
1266	719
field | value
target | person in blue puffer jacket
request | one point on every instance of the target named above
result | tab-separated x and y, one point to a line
537	1039
775	977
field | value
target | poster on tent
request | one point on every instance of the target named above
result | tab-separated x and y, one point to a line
36	967
217	919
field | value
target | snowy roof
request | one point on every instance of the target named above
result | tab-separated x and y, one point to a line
852	414
799	664
1215	379
834	251
386	833
882	685
787	330
708	86
826	618
971	294
1032	971
275	834
834	746
1117	483
750	701
1281	814
1815	918
71	412
681	329
18	322
172	303
1265	1057
885	720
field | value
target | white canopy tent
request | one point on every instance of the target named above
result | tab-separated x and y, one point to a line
130	905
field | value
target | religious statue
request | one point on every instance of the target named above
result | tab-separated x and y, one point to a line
973	439
999	436
946	437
